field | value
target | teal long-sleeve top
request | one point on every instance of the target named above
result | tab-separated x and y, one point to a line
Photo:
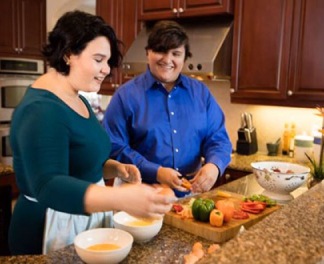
57	154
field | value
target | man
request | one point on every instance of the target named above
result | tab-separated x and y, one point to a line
165	122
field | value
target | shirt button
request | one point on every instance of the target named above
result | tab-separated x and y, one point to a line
174	131
177	169
172	113
169	95
176	150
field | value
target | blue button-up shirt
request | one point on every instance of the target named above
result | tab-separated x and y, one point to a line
150	127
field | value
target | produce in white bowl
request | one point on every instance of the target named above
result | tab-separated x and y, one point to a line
141	230
279	179
118	241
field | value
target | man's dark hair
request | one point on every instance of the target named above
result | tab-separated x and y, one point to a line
71	34
166	35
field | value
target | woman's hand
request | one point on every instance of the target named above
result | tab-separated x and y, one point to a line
205	178
170	177
128	173
142	200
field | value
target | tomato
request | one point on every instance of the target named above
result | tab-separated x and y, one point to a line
227	208
239	214
177	208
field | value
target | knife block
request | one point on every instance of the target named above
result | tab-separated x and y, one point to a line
243	146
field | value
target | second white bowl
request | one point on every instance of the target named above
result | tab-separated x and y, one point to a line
122	221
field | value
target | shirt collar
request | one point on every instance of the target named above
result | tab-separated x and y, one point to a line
151	82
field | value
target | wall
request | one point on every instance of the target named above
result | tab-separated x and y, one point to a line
58	7
268	120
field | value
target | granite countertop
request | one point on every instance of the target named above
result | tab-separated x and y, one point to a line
292	234
243	162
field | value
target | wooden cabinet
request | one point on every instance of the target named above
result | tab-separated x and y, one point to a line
278	57
170	9
121	15
22	28
10	180
230	175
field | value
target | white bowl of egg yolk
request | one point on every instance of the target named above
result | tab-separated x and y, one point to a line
142	230
103	245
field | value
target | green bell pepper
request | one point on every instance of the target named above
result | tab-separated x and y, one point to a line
201	209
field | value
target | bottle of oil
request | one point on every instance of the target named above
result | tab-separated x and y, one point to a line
285	140
292	140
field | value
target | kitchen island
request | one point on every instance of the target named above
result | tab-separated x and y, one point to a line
293	234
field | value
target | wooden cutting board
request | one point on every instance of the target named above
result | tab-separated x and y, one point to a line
216	234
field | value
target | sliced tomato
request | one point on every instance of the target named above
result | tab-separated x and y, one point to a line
249	210
254	205
177	208
239	214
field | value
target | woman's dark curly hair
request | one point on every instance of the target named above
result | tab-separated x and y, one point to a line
71	34
166	35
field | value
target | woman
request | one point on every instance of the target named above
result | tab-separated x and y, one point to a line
61	151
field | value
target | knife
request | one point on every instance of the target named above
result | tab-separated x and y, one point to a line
248	118
243	121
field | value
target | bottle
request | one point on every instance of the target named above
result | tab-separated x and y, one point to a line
292	140
285	140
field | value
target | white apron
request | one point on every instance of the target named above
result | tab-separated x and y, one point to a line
61	228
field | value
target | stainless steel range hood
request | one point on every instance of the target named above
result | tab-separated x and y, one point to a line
210	44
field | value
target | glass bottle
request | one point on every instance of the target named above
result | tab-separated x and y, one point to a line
292	140
285	140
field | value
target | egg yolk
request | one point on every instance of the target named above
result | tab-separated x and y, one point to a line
103	247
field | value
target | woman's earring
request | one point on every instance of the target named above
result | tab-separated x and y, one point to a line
65	58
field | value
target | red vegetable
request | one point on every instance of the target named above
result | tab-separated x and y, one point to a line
239	214
177	208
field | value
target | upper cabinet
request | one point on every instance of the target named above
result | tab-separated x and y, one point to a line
22	28
121	15
170	9
278	56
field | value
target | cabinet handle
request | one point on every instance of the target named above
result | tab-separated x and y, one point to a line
181	10
290	93
116	86
113	85
21	50
17	50
174	10
232	90
227	176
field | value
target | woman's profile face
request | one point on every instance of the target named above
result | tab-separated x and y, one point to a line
167	66
89	69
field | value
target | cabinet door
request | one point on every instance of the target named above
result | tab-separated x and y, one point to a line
159	9
306	81
121	15
108	10
262	38
32	26
190	8
8	27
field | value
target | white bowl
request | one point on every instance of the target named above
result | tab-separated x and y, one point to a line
278	185
140	233
103	236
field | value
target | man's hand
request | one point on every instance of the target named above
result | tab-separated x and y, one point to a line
171	178
205	178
